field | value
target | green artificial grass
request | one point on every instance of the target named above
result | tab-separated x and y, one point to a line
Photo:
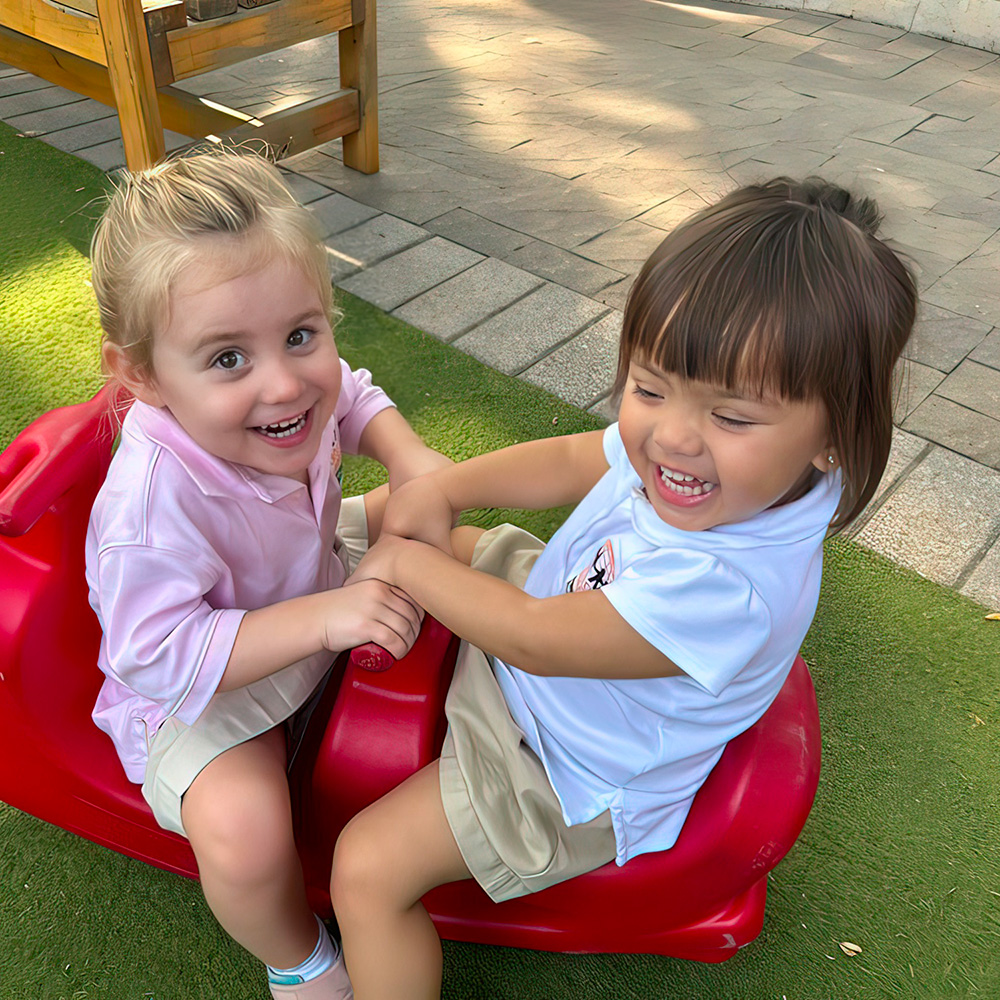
899	855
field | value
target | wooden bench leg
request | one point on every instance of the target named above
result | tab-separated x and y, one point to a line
359	70
130	69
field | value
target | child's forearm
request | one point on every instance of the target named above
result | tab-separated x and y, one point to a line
570	635
534	475
273	637
390	440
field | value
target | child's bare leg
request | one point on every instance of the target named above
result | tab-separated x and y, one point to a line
387	857
237	815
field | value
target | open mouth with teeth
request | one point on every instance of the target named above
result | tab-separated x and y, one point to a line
685	485
284	428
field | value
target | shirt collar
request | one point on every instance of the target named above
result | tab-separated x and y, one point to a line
215	476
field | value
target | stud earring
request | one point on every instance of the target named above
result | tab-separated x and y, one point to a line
831	459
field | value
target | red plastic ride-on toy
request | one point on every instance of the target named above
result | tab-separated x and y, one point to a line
703	899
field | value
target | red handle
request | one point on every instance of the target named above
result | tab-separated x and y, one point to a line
371	656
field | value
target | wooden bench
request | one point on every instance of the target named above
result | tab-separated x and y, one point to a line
128	53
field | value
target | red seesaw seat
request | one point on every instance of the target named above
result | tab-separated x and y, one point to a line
703	899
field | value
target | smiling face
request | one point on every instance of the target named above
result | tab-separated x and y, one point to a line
248	366
708	456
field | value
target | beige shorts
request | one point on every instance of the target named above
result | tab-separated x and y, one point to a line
178	752
500	805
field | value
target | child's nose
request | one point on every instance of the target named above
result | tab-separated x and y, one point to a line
281	383
676	434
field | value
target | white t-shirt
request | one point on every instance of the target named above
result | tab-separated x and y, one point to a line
730	606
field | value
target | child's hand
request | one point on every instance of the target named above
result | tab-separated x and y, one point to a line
370	610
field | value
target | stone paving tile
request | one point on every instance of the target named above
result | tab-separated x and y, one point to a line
606	409
623	248
61	116
394	281
563	267
462	302
957	427
406	186
970	287
807	23
960	100
988	351
35	100
16	82
615	295
477	233
863	34
983	585
939	517
582	370
305	189
905	448
839	59
336	212
94	133
942	338
517	337
952	239
974	386
916	382
944	147
111	155
915	46
370	242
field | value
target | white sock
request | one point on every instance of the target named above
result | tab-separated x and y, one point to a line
323	956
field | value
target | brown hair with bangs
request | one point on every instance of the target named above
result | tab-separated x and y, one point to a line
783	289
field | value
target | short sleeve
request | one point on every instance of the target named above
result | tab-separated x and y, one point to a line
162	638
614	452
359	401
702	614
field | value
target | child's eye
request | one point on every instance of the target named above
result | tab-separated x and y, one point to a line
299	337
731	422
644	393
229	361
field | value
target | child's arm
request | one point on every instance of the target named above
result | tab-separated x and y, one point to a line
534	475
569	635
390	440
270	638
577	634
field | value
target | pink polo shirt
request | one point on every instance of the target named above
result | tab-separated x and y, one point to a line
182	544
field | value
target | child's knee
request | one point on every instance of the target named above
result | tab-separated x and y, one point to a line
241	840
362	872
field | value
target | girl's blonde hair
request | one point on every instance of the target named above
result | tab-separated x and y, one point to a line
784	288
227	210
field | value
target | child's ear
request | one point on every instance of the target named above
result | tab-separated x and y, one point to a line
826	460
136	378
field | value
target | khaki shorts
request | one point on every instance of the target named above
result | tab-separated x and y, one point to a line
178	752
502	810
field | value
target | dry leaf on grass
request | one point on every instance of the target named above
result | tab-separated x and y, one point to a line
849	948
995	617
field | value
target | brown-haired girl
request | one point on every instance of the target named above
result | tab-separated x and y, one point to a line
661	620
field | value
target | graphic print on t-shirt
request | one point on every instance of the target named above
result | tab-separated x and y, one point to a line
599	573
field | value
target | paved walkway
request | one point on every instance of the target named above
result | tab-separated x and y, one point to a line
534	153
